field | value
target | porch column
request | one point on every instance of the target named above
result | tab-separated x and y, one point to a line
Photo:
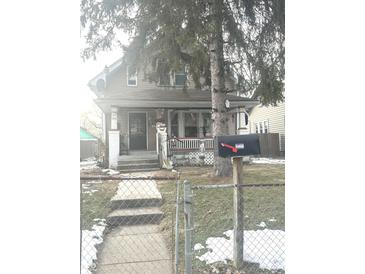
181	124
113	139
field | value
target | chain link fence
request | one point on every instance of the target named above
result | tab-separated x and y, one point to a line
137	224
213	248
123	229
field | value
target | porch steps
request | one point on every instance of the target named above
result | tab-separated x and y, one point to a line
139	165
137	161
139	170
134	216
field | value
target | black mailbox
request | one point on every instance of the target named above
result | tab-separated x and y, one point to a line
236	145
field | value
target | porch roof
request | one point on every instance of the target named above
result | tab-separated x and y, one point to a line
169	98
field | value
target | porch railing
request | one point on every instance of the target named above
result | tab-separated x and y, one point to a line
189	144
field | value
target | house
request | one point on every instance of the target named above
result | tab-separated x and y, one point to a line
269	119
133	105
88	144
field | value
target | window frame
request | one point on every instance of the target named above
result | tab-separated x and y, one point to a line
129	85
179	74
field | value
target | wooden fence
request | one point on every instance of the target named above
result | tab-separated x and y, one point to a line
269	144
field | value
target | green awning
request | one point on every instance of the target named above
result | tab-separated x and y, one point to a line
84	135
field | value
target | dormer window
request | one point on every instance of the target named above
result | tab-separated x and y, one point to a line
131	76
180	77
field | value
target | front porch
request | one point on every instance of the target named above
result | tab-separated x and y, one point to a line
132	118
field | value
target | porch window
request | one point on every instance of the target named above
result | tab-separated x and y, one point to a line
175	124
266	127
131	76
207	125
191	124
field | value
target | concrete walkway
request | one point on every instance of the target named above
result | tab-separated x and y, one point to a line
135	244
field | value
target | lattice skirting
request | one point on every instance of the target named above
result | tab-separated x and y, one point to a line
194	158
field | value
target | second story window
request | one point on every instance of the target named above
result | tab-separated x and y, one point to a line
180	77
131	76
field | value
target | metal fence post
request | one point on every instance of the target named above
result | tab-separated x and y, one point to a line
237	213
188	227
177	228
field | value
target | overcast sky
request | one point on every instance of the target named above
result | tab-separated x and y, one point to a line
91	68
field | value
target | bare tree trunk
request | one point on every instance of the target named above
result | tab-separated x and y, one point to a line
222	166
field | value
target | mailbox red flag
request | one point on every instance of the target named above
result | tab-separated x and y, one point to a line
229	146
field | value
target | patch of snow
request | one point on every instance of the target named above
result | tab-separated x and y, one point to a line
90	240
262	224
110	171
134	175
95	182
272	220
91	191
198	246
88	165
265	247
268	161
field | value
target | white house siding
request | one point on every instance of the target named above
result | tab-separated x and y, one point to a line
275	116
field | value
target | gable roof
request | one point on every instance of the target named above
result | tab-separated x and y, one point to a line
103	73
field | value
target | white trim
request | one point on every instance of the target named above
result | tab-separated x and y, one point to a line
128	78
186	77
145	112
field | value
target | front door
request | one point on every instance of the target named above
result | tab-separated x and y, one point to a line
137	131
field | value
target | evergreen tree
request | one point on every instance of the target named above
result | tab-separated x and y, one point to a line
243	37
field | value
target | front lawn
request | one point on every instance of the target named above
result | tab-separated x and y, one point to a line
213	208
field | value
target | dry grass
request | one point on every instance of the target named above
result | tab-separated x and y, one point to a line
213	208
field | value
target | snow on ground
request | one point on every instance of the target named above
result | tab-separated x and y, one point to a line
198	246
90	239
85	165
265	247
109	171
86	189
268	161
262	224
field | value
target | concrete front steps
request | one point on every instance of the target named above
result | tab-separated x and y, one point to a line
136	202
138	165
135	216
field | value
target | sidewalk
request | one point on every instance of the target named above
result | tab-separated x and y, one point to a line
135	244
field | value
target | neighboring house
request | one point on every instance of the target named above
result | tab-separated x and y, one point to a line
270	119
133	105
88	144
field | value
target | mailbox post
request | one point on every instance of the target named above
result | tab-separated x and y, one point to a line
237	212
237	147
